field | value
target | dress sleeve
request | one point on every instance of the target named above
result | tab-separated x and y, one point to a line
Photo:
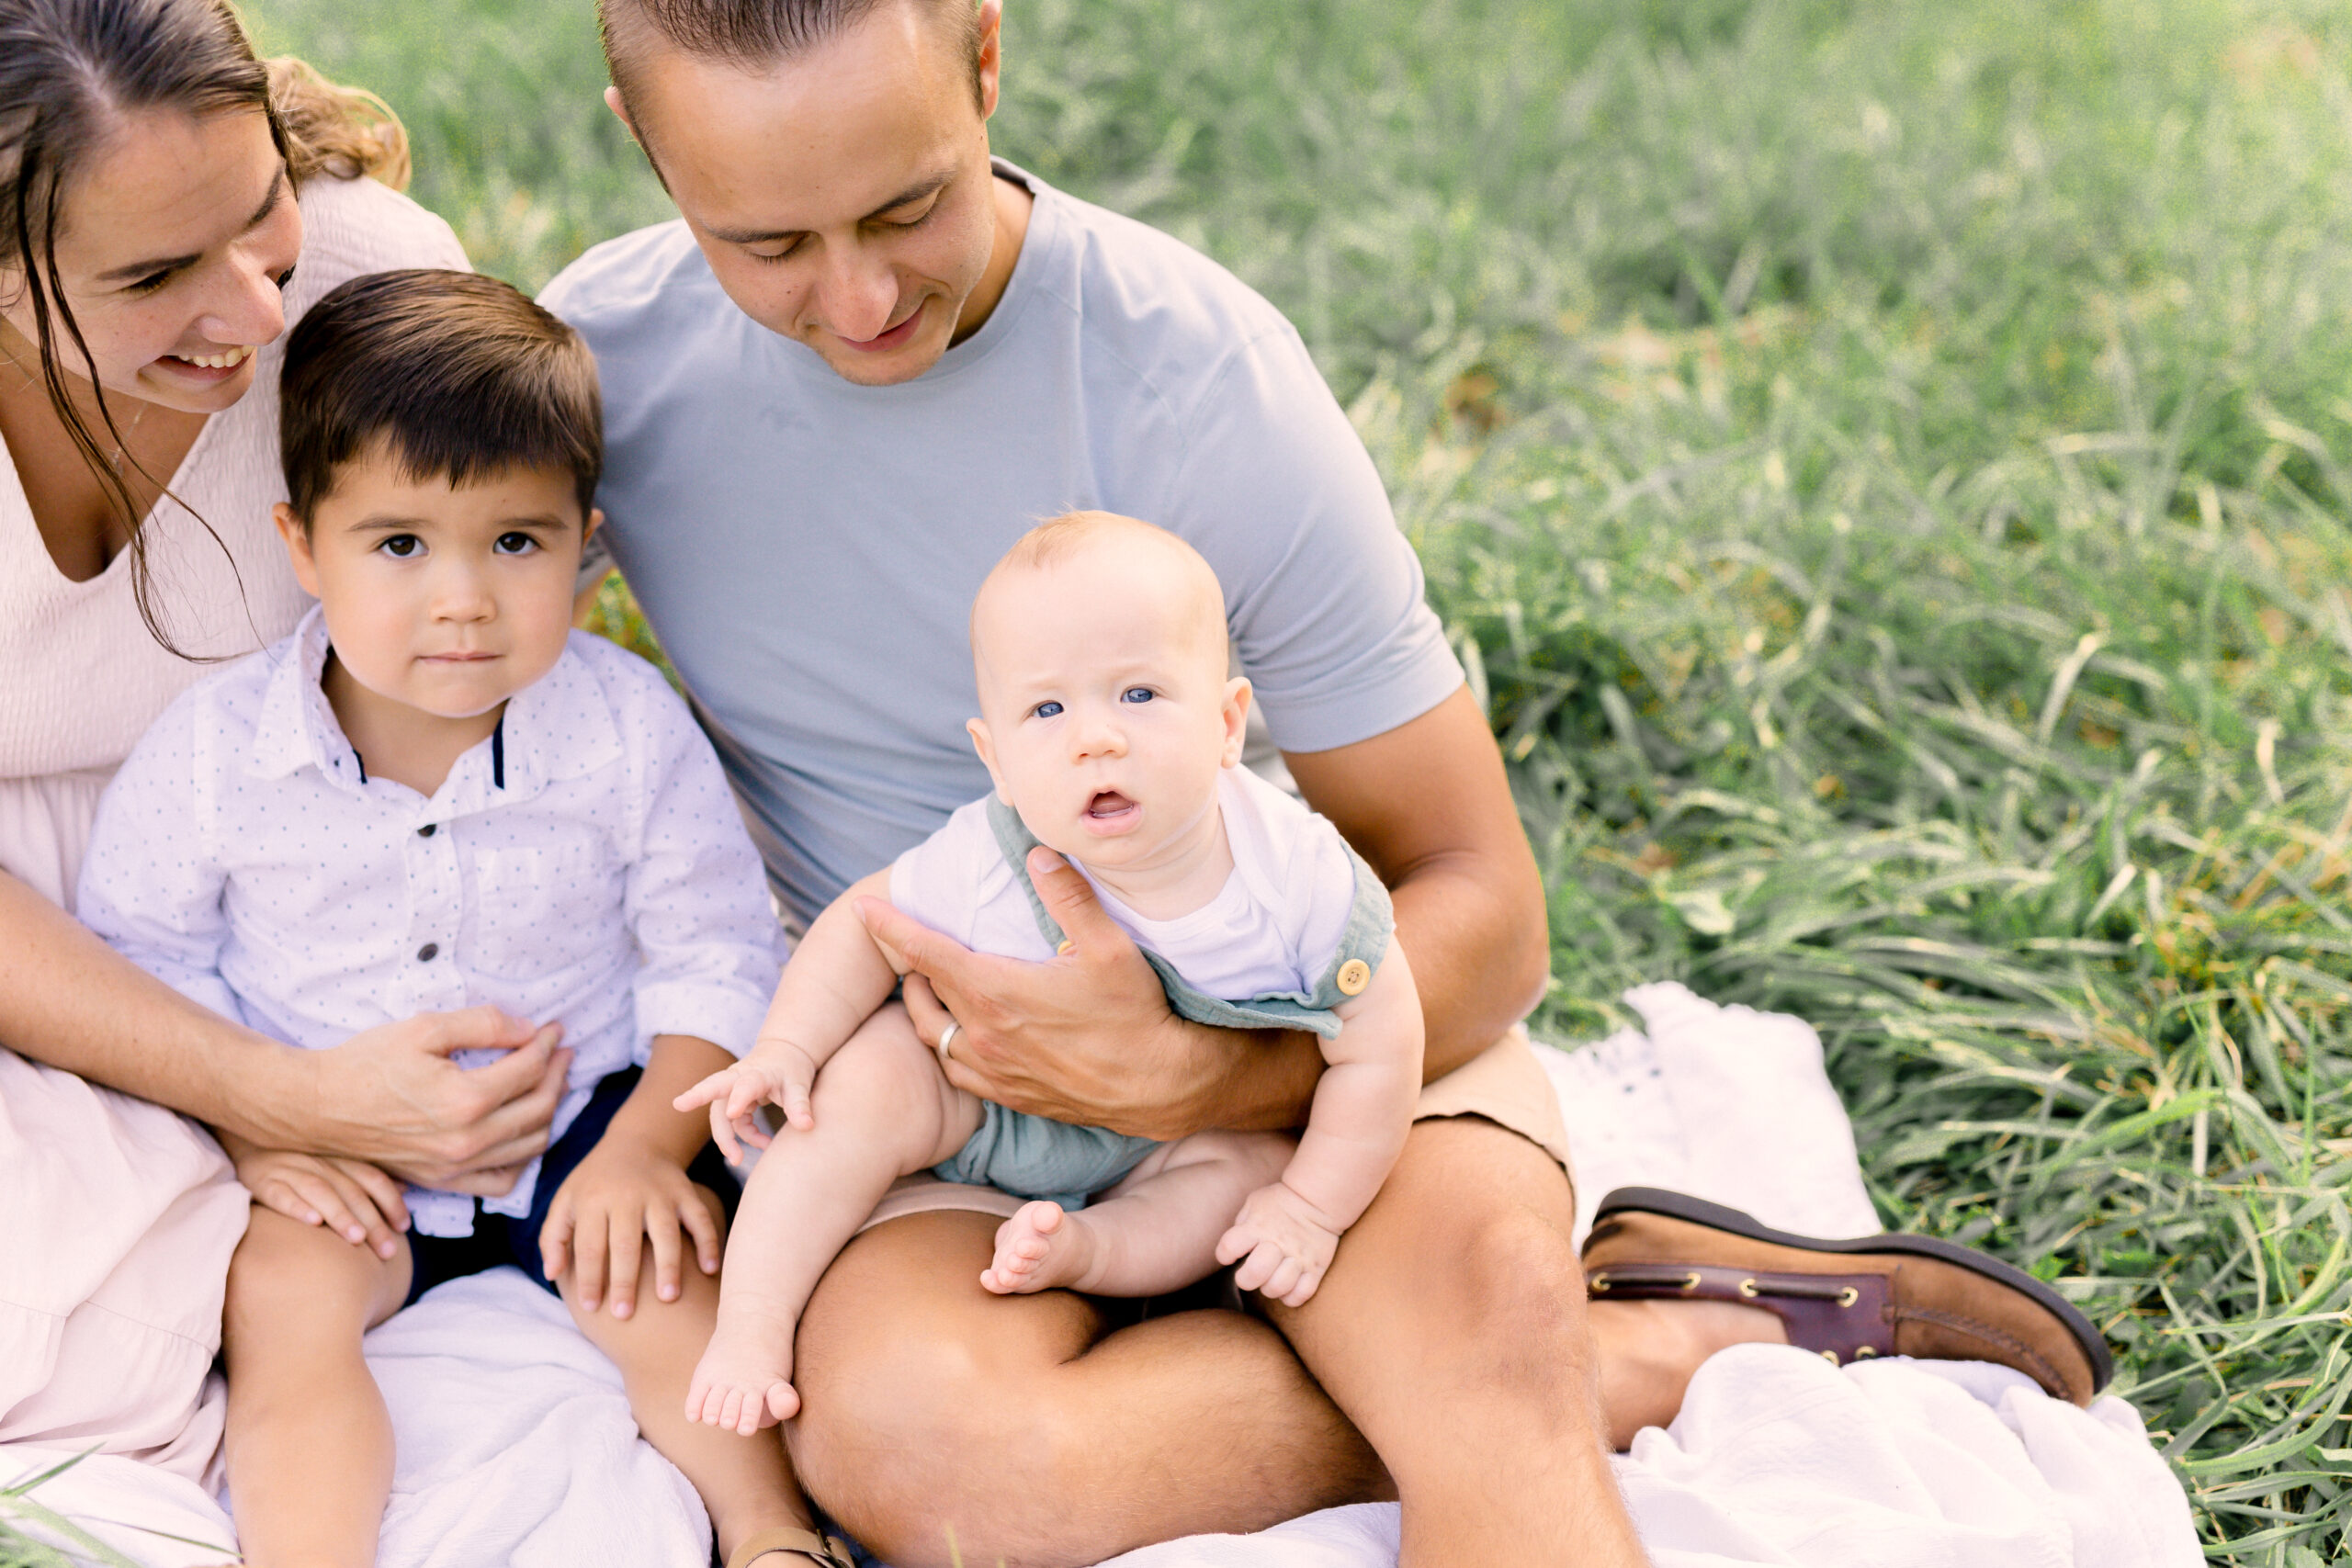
152	883
1324	593
697	900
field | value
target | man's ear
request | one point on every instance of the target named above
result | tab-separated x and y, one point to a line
991	62
298	546
978	728
1236	713
620	112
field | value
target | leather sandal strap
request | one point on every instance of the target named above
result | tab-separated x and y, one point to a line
1841	1318
827	1551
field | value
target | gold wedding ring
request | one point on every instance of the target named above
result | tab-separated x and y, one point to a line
947	1035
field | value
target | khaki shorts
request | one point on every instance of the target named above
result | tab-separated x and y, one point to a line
1504	1084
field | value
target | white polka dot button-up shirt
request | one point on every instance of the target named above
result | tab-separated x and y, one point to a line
584	864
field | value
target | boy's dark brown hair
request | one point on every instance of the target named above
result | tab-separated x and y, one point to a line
456	375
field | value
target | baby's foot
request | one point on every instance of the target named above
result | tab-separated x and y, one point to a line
744	1379
1040	1249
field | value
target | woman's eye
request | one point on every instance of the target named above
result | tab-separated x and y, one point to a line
1137	694
515	543
151	282
400	546
1045	710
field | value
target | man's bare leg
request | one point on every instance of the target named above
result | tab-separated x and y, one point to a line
938	1419
1451	1331
1647	1352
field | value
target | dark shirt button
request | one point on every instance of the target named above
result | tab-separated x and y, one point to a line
426	832
428	952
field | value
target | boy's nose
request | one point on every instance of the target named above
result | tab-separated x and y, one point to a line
462	596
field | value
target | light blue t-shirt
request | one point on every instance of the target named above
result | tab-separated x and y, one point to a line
806	549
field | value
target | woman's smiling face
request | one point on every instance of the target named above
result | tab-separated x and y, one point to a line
173	245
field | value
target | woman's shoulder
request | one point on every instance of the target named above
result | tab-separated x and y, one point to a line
358	226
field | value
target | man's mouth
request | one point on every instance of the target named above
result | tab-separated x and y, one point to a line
888	338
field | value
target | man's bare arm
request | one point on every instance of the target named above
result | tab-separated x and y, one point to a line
390	1096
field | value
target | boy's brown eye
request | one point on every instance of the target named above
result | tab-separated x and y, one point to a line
515	543
400	546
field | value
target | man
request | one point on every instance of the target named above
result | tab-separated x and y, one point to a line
868	359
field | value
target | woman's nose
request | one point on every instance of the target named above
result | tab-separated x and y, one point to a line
250	307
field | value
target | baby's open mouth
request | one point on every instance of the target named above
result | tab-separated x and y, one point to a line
1108	804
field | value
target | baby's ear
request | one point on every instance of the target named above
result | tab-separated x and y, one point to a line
978	728
1237	719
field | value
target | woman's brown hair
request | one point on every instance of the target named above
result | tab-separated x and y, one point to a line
69	70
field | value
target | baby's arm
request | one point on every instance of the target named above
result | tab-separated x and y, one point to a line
1287	1234
838	975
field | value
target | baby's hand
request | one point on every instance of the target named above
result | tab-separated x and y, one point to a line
772	1072
1283	1243
350	1197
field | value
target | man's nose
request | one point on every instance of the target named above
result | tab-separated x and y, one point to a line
857	295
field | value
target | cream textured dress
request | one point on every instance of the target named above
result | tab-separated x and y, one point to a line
118	1217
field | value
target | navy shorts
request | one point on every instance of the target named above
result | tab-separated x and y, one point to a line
501	1238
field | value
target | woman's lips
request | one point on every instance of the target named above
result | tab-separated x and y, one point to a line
208	368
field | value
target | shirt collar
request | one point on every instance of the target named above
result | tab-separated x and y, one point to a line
559	727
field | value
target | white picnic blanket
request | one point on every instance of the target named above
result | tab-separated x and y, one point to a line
516	1447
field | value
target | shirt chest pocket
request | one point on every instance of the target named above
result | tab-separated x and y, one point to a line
539	910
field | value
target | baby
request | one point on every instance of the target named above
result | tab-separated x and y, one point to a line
1113	736
434	795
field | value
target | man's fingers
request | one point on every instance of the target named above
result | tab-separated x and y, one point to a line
930	1019
484	1028
703	1225
924	949
1072	903
628	1257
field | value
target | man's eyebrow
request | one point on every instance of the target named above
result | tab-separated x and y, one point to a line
913	193
170	264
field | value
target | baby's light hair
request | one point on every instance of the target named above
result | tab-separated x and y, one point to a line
1074	533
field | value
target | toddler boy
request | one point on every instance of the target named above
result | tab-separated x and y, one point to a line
434	795
1114	735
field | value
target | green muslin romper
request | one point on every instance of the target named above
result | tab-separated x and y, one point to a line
1031	1156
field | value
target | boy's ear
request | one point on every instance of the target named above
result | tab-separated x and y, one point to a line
978	728
298	546
1236	713
595	521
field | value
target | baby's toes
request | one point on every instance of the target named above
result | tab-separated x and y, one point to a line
783	1401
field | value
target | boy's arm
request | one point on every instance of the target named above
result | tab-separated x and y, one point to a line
1363	1106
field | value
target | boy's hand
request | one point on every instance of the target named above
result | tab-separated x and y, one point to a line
772	1072
623	1194
1283	1243
350	1197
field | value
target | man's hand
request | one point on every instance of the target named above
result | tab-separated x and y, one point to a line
1086	1038
350	1197
623	1194
392	1097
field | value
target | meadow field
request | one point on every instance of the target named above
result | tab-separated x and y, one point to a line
1886	468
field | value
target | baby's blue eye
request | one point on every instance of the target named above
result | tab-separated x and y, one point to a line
1046	710
515	543
1137	694
400	546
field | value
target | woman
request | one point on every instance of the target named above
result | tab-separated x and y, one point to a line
168	204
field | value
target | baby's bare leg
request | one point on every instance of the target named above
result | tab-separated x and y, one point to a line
883	1109
747	1487
309	1445
1157	1229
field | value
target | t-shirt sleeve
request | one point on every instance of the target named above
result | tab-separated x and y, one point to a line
150	886
943	880
1323	591
707	942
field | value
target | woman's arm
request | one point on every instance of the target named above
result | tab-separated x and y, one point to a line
1088	1038
390	1096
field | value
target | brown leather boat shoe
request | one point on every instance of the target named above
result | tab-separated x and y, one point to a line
1879	1295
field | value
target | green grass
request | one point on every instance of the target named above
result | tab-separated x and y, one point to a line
1886	467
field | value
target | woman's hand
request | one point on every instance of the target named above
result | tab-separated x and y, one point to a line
1088	1037
350	1197
391	1096
625	1191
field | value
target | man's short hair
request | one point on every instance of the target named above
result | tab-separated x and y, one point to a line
457	375
755	33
